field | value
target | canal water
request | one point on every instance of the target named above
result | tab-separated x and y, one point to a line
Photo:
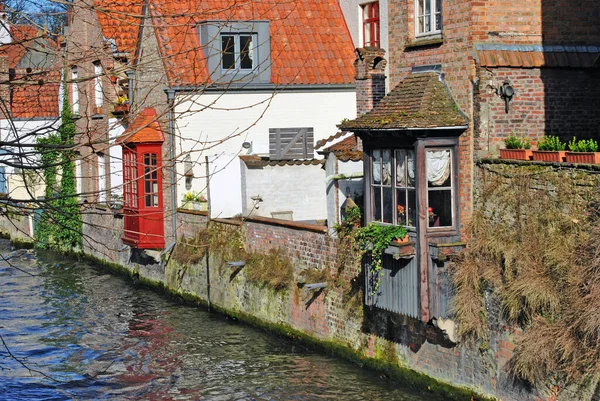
78	333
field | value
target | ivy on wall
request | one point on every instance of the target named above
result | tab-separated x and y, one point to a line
60	224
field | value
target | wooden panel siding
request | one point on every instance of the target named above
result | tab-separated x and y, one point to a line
291	143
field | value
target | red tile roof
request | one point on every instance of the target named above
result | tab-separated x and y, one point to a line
144	129
36	97
22	38
120	20
310	42
344	150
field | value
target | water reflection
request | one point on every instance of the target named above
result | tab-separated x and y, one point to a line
102	339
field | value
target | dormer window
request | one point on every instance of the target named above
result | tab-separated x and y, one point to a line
237	52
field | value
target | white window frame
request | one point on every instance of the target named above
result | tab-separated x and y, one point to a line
237	51
98	95
75	89
431	17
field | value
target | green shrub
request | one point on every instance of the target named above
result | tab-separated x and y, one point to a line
551	143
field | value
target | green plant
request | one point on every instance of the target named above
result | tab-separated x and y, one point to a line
513	142
551	143
375	238
583	145
194	197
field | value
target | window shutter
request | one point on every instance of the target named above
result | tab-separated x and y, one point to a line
291	143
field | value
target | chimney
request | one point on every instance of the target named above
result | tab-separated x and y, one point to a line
370	78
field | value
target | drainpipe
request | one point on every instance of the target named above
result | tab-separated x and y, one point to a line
130	77
171	128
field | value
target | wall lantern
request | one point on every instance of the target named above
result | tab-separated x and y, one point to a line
506	92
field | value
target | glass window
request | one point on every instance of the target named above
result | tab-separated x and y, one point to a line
370	13
98	96
237	51
439	188
428	17
75	89
130	178
150	180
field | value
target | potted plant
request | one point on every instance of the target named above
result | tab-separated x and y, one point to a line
374	239
516	148
550	149
121	105
583	151
195	201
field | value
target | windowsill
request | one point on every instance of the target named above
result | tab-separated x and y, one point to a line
423	41
97	116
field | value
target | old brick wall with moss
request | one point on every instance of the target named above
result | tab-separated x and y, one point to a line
532	266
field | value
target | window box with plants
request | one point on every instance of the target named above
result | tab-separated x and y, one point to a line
195	201
516	148
550	149
121	106
583	151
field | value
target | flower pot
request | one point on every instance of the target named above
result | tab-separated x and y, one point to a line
554	156
583	157
515	154
401	240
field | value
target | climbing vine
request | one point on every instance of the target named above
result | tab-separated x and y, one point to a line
60	224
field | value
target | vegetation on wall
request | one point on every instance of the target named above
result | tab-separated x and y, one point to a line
533	245
60	224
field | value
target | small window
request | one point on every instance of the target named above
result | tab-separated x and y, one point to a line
291	143
428	17
98	95
150	180
238	52
440	188
75	89
370	15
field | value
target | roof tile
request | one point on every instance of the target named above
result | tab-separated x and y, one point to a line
301	53
120	20
419	101
144	129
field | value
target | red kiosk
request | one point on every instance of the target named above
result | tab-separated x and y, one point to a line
142	182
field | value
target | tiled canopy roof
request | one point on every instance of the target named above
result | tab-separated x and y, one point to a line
419	101
144	129
120	20
528	56
310	42
345	149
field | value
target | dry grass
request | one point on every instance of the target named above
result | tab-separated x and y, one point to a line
226	241
537	250
273	269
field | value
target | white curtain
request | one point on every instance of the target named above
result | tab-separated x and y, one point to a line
438	167
401	170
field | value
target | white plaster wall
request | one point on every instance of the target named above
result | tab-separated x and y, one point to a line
300	189
218	124
225	190
19	133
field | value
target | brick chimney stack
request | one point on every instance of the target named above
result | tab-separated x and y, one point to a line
370	78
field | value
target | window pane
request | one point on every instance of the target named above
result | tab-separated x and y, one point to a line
228	52
368	34
376	204
148	200
439	168
410	167
377	166
438	15
401	179
155	200
412	208
386	171
147	187
388	207
440	208
401	209
246	50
